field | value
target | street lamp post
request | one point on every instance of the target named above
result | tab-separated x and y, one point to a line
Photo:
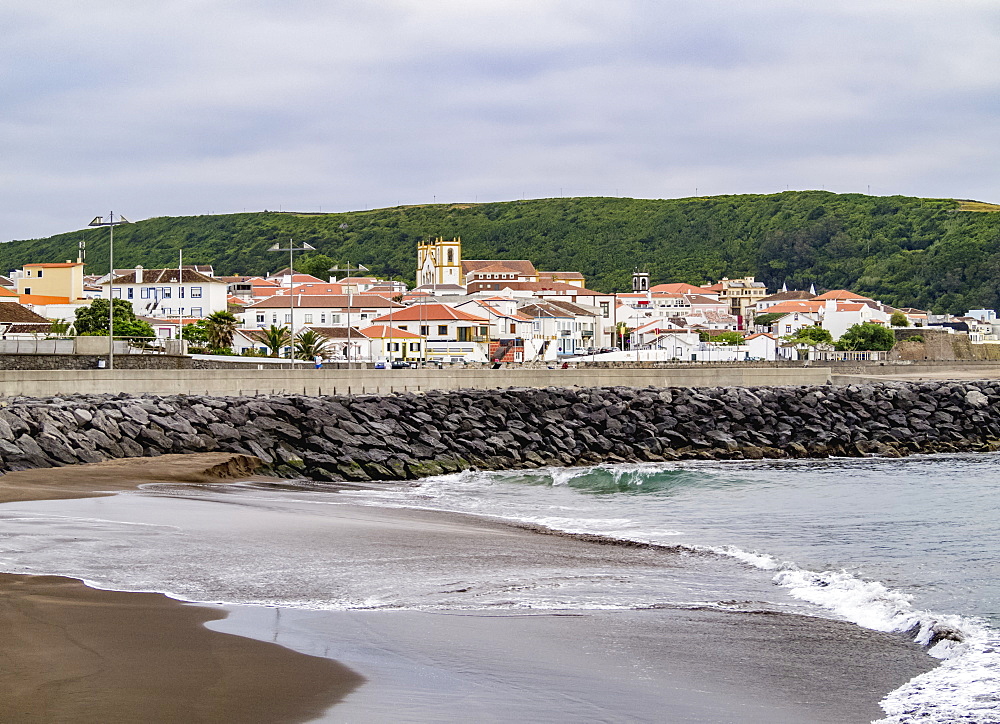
291	249
348	270
111	224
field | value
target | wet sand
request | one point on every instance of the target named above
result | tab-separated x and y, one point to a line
70	653
82	655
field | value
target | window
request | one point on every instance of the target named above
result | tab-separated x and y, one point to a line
309	319
451	257
260	319
130	291
165	293
788	329
288	319
196	292
144	292
425	330
465	334
402	327
180	292
274	319
27	272
443	329
322	318
414	346
27	290
196	312
39	273
605	309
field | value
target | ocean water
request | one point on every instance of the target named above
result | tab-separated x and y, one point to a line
904	545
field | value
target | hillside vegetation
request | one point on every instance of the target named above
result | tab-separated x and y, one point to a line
928	253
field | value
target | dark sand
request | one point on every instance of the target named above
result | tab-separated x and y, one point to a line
80	655
105	478
70	653
650	666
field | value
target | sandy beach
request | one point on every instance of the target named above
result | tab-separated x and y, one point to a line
84	655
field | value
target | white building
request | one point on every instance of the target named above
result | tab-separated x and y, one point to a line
324	310
170	292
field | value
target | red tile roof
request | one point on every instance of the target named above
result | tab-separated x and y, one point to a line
429	313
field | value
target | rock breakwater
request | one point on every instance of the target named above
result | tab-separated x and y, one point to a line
406	436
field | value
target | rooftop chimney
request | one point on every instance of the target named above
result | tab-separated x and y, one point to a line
138	275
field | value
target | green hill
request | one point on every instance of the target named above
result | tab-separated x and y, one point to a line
938	254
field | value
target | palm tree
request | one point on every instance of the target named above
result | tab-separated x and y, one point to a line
309	345
275	338
221	328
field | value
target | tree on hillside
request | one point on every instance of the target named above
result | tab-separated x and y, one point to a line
316	264
867	337
220	328
275	339
898	319
92	320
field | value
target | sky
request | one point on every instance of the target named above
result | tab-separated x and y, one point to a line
185	107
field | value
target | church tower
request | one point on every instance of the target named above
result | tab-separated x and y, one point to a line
640	281
439	262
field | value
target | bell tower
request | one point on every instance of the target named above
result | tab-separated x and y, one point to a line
640	282
439	261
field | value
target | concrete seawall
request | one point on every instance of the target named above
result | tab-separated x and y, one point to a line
44	383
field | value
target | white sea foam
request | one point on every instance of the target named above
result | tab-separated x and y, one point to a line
964	688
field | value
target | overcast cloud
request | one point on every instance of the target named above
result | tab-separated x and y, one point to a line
210	106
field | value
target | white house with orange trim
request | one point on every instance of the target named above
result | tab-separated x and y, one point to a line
390	343
452	335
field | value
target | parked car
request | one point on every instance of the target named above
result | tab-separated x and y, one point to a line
398	364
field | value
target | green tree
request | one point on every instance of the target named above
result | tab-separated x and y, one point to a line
316	264
867	336
92	320
195	333
898	319
309	345
726	339
61	328
220	328
275	339
810	336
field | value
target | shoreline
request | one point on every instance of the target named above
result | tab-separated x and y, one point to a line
706	665
73	653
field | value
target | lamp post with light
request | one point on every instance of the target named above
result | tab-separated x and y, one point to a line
348	270
291	249
111	223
